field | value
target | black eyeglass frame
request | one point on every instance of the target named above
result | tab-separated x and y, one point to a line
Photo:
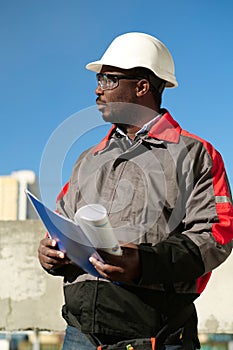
115	78
158	85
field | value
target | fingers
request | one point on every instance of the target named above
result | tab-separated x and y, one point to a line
124	268
49	256
99	266
107	271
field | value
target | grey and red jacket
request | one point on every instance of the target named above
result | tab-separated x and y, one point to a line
167	192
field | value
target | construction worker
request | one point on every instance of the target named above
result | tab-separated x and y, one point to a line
168	200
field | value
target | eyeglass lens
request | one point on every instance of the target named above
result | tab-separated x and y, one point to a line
106	81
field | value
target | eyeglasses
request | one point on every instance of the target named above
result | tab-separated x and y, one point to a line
111	81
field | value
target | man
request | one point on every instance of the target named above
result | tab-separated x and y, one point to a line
169	203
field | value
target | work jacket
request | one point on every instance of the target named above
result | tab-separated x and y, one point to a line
167	192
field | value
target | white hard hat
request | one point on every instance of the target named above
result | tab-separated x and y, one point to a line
132	50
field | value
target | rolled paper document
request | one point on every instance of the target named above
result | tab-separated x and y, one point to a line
93	220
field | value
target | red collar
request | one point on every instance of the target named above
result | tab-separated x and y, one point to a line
104	142
166	129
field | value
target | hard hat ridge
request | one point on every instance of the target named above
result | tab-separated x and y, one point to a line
134	49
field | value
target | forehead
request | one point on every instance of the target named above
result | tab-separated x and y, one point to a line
116	70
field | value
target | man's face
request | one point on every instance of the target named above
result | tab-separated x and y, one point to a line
118	105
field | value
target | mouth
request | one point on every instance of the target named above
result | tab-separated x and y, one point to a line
100	105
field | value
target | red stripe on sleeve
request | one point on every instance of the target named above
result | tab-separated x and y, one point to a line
222	230
63	192
202	282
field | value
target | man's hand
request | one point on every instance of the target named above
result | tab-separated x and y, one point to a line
49	256
125	268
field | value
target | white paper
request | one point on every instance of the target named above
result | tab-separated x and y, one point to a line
93	220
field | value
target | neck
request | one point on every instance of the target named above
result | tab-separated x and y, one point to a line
129	130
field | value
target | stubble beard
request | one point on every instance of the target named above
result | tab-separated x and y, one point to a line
121	113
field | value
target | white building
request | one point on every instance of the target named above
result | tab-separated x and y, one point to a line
14	204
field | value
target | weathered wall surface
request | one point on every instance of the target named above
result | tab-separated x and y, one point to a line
215	305
30	298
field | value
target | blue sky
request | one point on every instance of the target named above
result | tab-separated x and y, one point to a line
45	45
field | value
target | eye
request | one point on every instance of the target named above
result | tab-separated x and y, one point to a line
108	80
112	78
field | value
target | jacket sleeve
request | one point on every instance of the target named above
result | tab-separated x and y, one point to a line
205	240
71	271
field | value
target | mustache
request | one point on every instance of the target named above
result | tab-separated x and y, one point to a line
98	100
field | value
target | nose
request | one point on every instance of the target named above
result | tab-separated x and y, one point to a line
99	90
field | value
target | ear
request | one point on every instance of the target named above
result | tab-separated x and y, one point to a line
142	87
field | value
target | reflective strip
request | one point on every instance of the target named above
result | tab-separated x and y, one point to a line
222	199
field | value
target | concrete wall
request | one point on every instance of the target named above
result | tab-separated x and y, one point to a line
215	305
31	299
